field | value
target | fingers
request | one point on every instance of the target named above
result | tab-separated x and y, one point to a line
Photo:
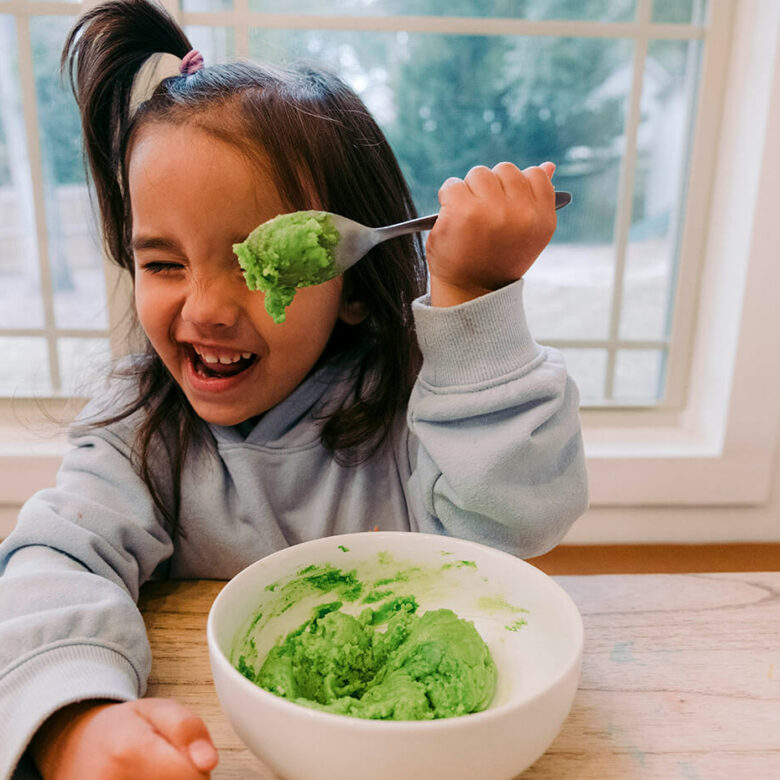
150	738
453	190
541	183
504	179
180	727
484	183
141	746
533	181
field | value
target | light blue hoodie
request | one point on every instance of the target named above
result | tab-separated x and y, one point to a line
490	450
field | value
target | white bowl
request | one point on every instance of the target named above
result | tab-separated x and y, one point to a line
538	662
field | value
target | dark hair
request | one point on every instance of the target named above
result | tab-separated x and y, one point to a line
321	141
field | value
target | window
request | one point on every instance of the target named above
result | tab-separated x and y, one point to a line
606	88
53	314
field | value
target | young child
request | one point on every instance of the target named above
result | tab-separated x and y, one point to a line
372	405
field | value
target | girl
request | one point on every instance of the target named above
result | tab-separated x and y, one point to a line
373	405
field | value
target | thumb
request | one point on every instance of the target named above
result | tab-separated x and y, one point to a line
182	728
203	754
548	168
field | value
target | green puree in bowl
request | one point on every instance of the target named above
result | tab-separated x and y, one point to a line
289	251
387	663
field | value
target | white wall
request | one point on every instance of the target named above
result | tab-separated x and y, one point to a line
676	524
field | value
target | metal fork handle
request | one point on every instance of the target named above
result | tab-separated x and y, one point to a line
426	223
402	228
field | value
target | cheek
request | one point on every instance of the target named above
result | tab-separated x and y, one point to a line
317	304
151	309
142	305
313	313
309	319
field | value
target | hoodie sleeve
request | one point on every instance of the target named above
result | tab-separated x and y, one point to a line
495	448
70	574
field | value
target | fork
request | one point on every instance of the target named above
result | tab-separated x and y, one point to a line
357	240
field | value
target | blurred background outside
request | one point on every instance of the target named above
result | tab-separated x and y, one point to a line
447	101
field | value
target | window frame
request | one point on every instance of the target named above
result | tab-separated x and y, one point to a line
713	450
676	346
717	450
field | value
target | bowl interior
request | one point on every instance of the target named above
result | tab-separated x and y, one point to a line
530	624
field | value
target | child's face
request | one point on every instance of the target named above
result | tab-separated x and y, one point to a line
193	197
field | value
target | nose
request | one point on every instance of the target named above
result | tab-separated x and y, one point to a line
211	303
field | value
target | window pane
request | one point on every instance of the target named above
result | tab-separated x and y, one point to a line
639	375
84	364
680	11
75	256
216	44
448	103
568	291
601	10
668	100
26	371
20	297
588	368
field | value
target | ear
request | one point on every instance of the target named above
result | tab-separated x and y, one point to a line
352	312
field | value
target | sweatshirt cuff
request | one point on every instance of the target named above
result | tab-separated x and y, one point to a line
45	683
477	341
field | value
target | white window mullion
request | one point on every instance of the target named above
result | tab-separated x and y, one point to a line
57	333
30	112
26	8
694	208
241	24
450	25
626	192
601	344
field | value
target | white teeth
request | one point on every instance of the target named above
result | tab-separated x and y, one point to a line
224	359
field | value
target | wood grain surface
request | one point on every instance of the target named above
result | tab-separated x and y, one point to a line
680	677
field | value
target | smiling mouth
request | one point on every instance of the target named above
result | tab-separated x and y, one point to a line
206	367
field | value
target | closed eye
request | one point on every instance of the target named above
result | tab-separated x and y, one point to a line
158	267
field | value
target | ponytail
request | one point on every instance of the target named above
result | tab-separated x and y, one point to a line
103	55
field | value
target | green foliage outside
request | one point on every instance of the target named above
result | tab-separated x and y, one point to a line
522	100
460	101
57	113
454	101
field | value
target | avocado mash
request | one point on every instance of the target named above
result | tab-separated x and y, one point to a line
286	252
387	663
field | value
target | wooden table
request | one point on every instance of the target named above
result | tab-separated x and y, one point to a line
680	677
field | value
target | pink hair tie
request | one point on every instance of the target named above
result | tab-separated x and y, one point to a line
191	63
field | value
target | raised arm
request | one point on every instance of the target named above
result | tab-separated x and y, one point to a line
495	444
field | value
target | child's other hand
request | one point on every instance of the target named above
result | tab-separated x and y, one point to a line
492	225
154	739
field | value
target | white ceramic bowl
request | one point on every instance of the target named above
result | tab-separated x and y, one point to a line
538	662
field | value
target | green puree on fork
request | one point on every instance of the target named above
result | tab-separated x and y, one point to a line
286	252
